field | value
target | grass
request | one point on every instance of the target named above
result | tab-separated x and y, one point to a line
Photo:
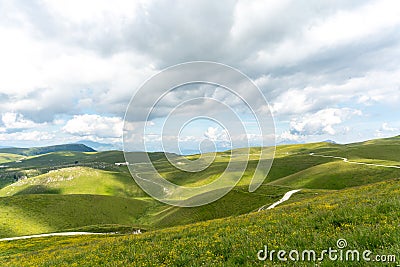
76	180
5	157
43	150
85	191
33	214
96	174
337	175
367	217
384	149
236	202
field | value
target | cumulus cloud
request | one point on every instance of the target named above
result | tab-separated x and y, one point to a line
94	125
63	58
288	136
387	128
215	134
16	122
321	122
32	136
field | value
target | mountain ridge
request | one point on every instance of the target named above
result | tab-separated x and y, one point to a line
33	151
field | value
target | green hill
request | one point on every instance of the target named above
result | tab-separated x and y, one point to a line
48	149
33	214
73	180
337	175
366	217
5	157
383	149
76	180
95	173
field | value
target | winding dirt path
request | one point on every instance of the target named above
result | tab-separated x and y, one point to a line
354	162
285	197
52	234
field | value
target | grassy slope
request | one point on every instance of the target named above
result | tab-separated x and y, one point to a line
60	159
384	149
367	217
293	167
43	150
5	157
337	175
32	214
35	165
77	180
236	202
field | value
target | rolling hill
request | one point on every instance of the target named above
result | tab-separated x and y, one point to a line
93	193
76	180
43	150
95	173
5	157
32	214
366	217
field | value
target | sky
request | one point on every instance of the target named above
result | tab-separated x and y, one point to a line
68	69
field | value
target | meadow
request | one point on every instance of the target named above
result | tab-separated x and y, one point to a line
367	217
85	191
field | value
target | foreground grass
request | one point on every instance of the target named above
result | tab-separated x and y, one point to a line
367	217
35	214
292	168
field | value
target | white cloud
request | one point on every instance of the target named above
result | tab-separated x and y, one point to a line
318	34
249	17
371	88
88	125
288	136
215	134
61	58
88	11
352	25
32	136
15	121
321	122
54	73
293	102
189	138
386	127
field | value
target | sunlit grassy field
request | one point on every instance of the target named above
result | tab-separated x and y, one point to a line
86	191
367	217
33	214
76	180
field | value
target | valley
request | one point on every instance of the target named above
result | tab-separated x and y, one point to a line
314	194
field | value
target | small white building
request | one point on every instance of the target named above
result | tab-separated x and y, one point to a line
122	163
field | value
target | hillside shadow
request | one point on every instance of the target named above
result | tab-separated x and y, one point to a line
38	189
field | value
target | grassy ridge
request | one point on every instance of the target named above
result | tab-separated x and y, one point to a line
76	180
48	149
383	149
6	157
32	214
96	174
337	175
366	216
238	201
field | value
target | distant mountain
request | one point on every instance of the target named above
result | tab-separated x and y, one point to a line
98	146
289	142
190	152
329	141
48	149
5	147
